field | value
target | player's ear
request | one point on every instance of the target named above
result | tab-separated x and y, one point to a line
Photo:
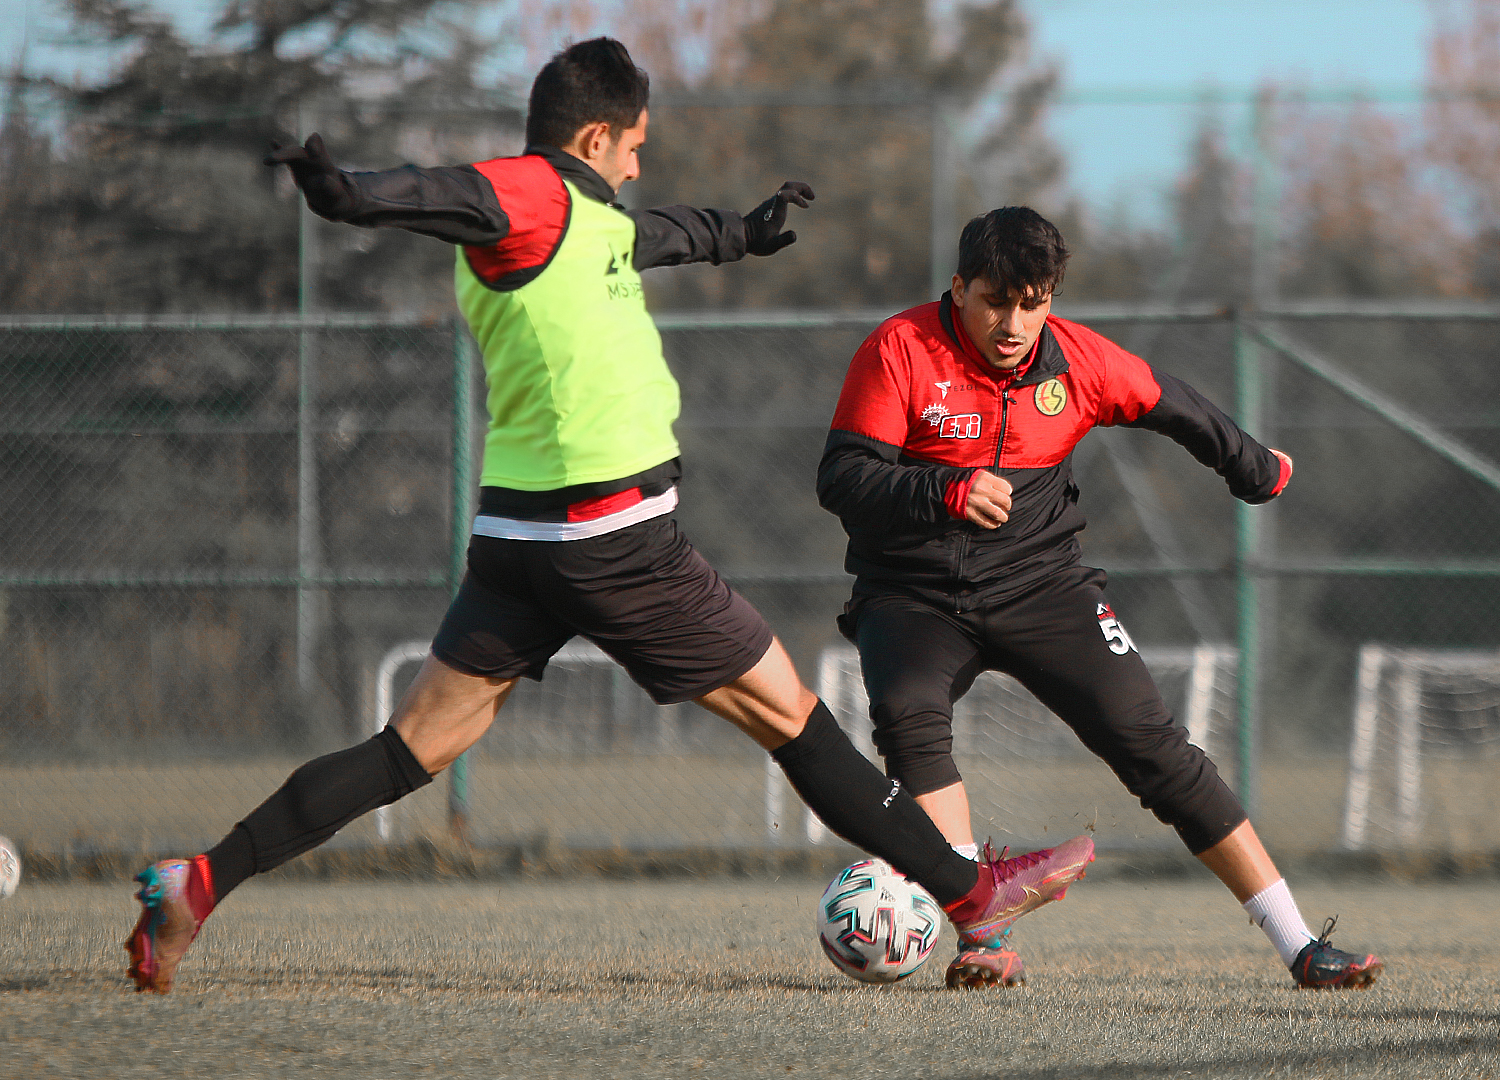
600	138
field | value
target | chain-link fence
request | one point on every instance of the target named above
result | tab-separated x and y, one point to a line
223	543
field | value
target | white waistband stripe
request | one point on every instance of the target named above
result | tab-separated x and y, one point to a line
504	528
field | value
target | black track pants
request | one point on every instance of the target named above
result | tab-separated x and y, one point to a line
1062	643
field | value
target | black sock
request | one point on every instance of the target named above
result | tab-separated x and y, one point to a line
870	811
231	861
316	801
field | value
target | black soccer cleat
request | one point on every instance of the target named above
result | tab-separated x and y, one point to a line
1319	966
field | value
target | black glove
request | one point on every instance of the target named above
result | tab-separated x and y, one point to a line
327	192
763	235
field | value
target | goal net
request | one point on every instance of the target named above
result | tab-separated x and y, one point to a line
1025	771
1422	755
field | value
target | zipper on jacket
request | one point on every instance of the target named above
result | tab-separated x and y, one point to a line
1005	400
963	538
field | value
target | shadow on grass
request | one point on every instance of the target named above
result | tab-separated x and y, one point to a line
1371	1060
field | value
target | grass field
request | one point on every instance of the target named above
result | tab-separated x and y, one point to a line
1128	978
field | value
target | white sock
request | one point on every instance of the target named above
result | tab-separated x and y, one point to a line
968	851
1275	912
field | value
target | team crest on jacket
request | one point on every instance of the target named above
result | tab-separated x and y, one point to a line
1051	397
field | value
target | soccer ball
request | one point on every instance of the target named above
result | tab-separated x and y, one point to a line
10	867
875	925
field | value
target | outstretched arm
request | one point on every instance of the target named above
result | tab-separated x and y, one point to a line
1134	394
1254	473
455	204
675	235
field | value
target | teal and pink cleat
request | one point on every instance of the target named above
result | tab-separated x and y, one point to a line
176	895
1009	888
979	967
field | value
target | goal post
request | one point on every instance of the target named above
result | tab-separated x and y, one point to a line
1411	707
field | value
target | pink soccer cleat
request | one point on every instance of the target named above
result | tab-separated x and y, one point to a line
1017	886
176	895
978	967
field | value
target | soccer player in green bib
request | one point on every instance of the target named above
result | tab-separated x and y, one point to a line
575	534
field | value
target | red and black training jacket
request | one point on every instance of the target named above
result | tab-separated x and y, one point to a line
921	411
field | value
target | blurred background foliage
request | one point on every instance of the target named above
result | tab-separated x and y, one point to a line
142	191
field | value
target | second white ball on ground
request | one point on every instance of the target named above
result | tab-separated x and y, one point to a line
10	867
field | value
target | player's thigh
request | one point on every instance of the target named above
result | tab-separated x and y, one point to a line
915	659
1065	644
645	597
497	627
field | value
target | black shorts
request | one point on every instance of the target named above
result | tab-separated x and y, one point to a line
1063	643
642	594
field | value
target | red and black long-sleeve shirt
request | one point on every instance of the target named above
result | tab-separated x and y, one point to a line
921	411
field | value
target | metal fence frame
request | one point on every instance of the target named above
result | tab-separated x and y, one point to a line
1256	332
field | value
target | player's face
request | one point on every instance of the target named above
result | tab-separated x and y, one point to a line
622	160
1002	323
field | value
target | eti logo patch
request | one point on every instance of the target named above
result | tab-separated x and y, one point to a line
964	426
1051	397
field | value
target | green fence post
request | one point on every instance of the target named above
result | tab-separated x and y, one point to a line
1246	586
463	514
309	526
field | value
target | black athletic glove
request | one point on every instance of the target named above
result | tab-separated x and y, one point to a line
763	235
328	194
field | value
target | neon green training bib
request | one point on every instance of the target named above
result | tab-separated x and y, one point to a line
579	391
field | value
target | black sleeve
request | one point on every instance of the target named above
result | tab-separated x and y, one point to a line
864	482
1191	420
674	235
455	204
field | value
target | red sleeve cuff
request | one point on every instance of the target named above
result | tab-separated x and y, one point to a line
1286	474
956	499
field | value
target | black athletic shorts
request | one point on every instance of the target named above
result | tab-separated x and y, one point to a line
641	593
1062	642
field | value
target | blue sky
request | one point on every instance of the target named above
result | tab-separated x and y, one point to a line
1134	71
1116	57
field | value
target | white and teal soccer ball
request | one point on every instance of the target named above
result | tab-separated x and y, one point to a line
875	925
10	867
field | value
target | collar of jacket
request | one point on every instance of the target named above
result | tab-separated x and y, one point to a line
1047	359
584	178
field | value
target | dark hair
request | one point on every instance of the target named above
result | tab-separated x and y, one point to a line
586	83
1013	248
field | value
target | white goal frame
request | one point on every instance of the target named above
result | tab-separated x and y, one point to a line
1411	665
578	653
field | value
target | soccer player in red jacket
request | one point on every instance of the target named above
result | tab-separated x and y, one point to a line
949	465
